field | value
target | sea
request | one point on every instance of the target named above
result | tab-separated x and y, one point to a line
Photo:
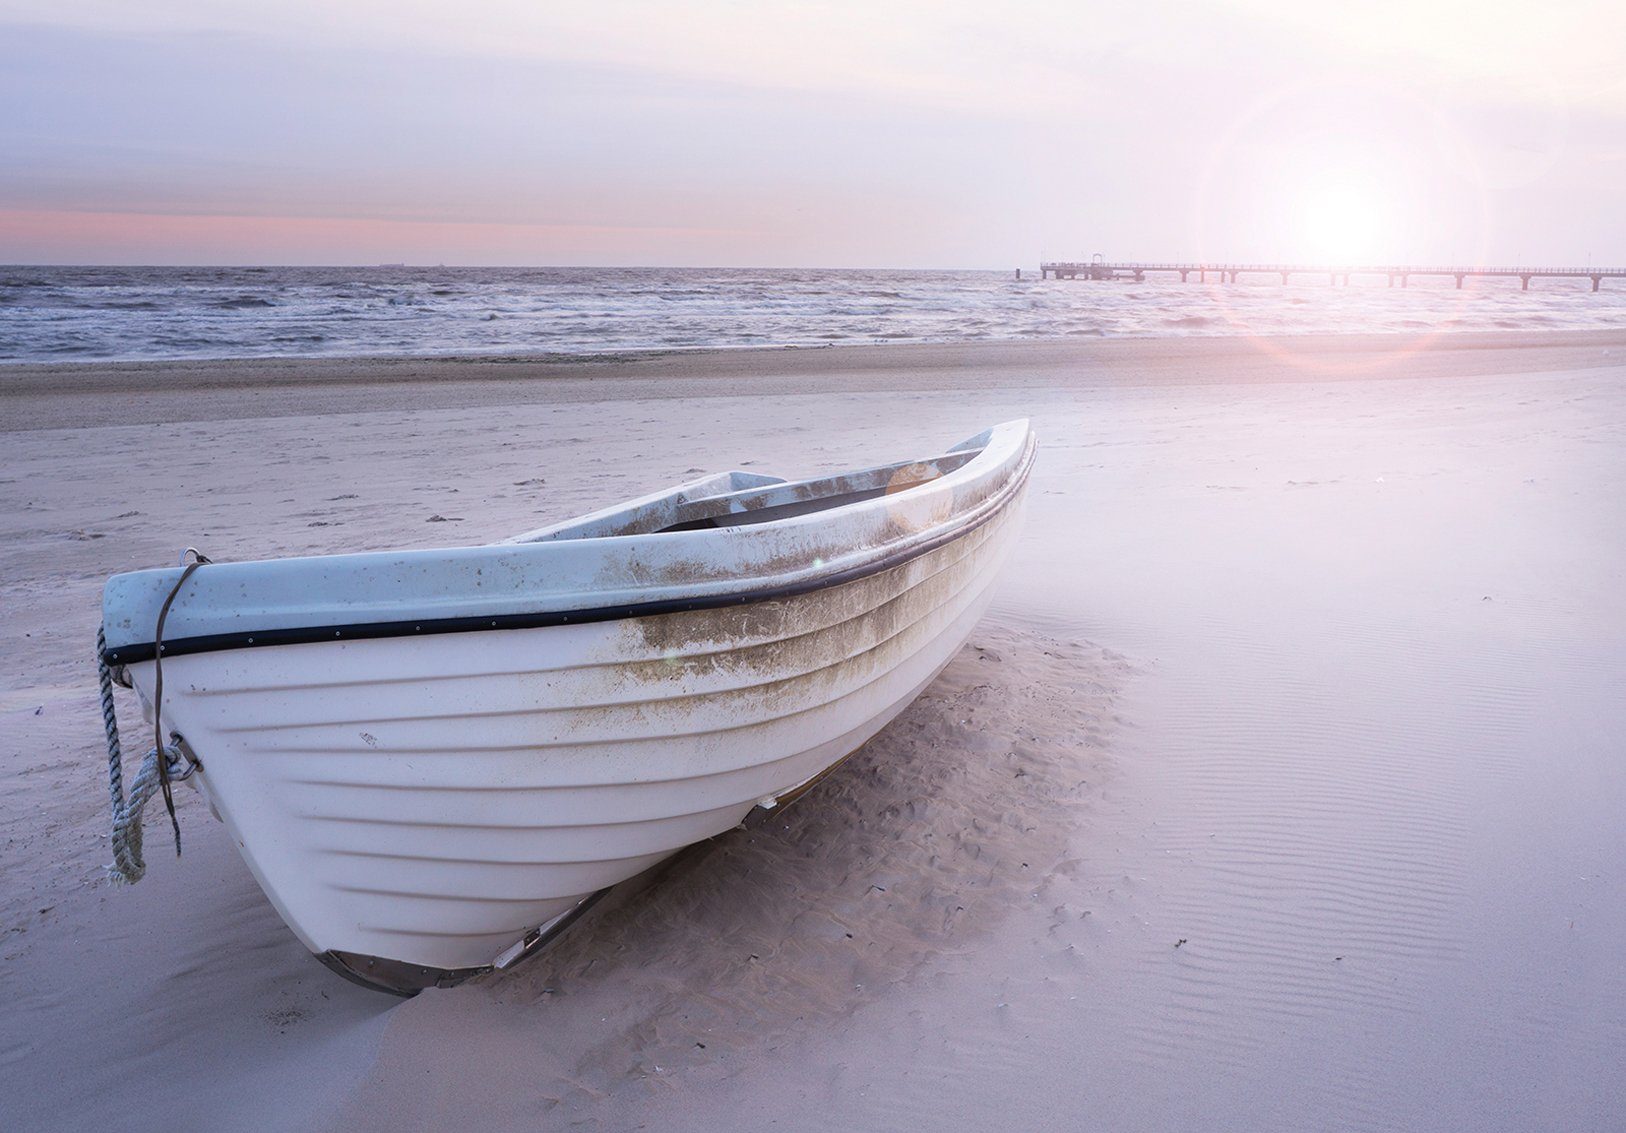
56	314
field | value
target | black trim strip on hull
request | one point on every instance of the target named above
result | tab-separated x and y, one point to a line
307	635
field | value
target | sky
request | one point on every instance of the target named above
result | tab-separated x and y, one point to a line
776	133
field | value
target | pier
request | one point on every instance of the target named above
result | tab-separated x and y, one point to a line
1336	274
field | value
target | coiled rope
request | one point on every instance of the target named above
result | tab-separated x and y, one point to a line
164	763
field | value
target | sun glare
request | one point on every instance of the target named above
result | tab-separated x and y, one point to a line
1343	220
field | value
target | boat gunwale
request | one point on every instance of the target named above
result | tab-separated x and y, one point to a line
989	508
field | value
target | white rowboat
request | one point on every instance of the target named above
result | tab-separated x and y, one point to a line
432	759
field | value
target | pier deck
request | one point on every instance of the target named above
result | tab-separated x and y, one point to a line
1337	274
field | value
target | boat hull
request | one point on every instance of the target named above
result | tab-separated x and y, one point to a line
418	807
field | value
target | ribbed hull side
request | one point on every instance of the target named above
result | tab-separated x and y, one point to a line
430	800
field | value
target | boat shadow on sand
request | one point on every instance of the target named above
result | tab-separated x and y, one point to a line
960	813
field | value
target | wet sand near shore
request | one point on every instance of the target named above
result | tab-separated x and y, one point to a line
1279	789
46	396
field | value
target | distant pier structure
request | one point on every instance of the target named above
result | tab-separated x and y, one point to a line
1099	268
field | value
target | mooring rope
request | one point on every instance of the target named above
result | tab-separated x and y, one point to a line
164	763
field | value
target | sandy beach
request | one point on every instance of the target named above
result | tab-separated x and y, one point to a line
1280	789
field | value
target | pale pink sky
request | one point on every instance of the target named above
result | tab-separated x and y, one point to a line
910	134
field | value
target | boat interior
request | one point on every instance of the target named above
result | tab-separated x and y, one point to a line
739	498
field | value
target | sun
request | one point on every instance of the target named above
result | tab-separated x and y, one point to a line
1344	218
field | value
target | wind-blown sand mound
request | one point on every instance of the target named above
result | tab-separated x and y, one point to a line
892	868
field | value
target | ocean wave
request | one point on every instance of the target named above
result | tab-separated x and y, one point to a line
243	312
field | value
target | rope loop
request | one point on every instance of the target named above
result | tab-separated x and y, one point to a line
166	762
128	864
